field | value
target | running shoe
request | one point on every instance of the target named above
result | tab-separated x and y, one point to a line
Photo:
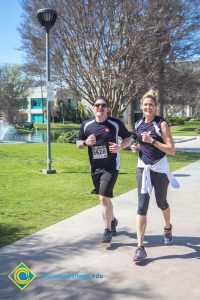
107	236
167	236
140	254
113	227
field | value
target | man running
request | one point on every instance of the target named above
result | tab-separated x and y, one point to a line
101	136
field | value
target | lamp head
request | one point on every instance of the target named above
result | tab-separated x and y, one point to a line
47	17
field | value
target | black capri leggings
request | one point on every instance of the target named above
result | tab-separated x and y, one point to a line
160	183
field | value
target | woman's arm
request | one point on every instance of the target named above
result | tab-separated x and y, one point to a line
168	146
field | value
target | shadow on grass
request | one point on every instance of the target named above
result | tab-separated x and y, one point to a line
85	172
75	172
184	157
10	234
188	129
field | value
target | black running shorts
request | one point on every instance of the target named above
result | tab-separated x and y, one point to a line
104	182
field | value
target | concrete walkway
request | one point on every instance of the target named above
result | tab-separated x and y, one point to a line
71	248
187	144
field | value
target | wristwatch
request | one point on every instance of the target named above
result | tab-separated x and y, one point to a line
84	143
153	142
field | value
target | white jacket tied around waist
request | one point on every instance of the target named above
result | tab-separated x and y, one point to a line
161	166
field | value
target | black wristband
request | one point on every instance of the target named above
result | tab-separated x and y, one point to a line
84	143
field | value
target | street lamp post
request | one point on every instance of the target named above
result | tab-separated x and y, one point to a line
47	18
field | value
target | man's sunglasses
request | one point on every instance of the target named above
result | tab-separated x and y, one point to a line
100	104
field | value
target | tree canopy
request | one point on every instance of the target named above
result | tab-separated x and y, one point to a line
14	84
112	47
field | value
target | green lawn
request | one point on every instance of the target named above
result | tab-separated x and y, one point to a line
31	200
58	126
188	129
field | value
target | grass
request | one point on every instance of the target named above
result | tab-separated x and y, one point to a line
20	129
57	126
31	201
188	129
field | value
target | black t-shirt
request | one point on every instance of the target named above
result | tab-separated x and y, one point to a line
148	153
105	132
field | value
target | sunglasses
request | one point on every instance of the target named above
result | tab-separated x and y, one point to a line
100	104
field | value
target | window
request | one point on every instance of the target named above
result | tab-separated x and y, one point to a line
22	103
36	103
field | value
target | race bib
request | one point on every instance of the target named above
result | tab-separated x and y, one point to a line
99	152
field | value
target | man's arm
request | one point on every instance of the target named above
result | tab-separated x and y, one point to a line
81	144
90	141
114	148
126	142
125	135
81	141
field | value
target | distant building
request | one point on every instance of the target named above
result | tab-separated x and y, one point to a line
190	106
33	108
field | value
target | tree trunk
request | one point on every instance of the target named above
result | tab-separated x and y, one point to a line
160	107
161	87
131	115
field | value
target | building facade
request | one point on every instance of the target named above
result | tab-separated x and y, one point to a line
35	109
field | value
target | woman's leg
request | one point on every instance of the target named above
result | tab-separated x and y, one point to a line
141	222
143	204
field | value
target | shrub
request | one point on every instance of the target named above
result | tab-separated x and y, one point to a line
68	137
172	121
195	121
134	136
187	119
197	130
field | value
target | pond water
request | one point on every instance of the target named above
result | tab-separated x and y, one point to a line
39	136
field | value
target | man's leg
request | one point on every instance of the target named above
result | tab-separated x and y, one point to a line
106	186
107	211
107	182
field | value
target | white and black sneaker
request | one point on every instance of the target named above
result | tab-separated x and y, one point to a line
140	254
107	236
114	226
167	236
